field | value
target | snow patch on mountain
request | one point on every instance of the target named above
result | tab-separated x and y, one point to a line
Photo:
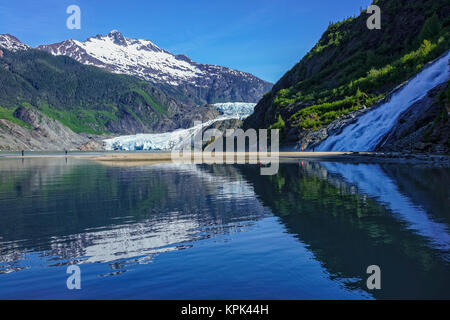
138	57
11	43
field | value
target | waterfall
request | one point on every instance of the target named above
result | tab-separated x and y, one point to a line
371	127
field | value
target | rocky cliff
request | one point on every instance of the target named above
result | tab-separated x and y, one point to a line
40	133
423	127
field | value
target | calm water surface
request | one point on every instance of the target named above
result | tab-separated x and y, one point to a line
172	231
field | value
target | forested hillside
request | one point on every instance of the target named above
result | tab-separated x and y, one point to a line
85	98
352	67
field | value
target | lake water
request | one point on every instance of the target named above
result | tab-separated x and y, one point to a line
173	231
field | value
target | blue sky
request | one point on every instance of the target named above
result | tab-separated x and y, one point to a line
263	37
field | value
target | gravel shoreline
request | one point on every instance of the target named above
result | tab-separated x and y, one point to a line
363	157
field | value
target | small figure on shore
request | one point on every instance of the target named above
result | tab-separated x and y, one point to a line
23	152
65	150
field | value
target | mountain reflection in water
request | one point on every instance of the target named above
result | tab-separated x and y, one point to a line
172	231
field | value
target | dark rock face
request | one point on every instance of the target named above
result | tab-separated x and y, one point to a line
118	38
225	87
28	116
224	125
423	127
187	117
126	124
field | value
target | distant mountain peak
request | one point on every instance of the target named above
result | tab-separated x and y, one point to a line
144	59
10	42
117	38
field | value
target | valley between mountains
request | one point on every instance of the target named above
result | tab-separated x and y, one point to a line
355	90
108	86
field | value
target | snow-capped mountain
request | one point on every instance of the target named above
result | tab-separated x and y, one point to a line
200	83
11	43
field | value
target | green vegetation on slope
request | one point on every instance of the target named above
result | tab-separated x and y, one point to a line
351	66
330	104
156	107
84	98
8	114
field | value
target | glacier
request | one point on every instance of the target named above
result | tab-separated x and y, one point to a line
238	110
175	140
370	128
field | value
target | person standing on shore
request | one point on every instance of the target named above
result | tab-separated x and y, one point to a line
23	152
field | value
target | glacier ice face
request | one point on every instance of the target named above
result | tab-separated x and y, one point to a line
239	110
175	140
370	128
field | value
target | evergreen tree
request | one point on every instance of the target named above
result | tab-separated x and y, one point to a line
430	29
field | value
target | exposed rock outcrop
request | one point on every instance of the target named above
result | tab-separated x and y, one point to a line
91	146
43	133
423	127
309	138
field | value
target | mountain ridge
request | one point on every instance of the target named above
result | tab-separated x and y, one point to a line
11	43
89	99
186	79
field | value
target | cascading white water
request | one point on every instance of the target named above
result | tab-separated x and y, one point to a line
371	127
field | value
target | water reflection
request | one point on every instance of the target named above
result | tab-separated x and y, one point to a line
353	215
343	217
373	181
104	214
